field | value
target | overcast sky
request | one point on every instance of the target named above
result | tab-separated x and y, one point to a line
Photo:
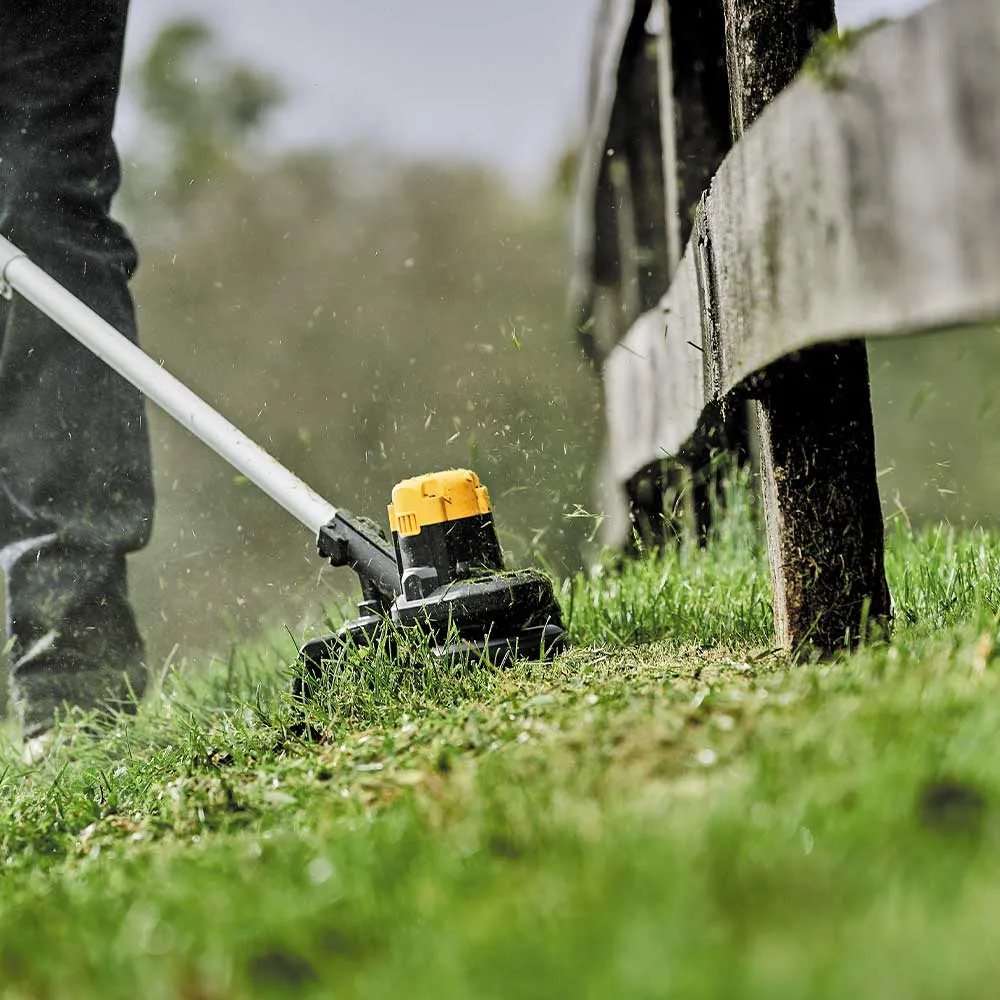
498	82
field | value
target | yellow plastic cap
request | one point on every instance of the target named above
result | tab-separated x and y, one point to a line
434	498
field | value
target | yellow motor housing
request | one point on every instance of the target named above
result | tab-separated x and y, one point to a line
435	498
442	531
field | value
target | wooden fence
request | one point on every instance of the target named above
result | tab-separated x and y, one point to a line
863	201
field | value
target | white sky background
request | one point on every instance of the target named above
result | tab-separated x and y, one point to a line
501	83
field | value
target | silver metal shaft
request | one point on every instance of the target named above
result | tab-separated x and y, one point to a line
17	272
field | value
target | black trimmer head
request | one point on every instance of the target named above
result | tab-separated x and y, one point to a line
443	575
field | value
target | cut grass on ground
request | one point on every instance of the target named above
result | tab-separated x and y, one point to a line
688	815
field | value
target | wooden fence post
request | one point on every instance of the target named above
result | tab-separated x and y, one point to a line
671	129
651	252
695	130
824	520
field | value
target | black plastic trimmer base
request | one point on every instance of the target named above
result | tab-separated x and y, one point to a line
492	620
537	643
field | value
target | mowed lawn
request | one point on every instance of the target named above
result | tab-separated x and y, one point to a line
671	809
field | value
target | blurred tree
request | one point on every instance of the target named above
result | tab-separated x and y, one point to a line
202	111
567	169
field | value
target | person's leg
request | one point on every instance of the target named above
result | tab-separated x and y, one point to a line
75	483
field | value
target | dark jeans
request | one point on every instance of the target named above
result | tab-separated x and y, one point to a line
75	485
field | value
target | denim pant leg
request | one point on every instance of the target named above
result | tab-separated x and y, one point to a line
75	482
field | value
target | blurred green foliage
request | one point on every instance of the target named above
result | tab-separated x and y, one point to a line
201	110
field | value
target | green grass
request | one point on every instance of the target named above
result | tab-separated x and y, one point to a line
670	809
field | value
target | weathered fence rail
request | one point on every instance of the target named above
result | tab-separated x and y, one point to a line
863	201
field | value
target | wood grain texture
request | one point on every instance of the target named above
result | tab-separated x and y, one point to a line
825	536
616	21
864	202
814	416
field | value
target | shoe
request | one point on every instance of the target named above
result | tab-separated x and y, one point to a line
37	748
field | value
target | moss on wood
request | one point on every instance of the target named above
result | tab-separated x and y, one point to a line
826	60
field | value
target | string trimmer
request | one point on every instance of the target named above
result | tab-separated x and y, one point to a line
443	573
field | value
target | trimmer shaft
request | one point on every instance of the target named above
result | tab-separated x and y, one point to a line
444	575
